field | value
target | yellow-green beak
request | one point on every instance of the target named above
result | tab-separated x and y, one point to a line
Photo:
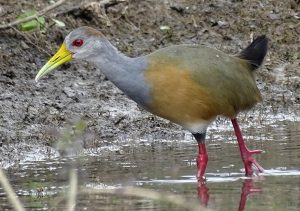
62	56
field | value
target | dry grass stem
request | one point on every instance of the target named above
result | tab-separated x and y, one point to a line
191	205
73	190
12	197
29	39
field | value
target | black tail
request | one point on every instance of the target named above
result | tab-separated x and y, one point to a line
255	52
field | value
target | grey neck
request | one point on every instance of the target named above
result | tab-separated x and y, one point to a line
125	72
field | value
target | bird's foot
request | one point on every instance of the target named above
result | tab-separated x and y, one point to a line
250	162
201	179
246	154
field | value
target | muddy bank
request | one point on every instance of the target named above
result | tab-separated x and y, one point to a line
37	113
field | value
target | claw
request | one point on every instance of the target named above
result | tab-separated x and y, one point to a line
259	167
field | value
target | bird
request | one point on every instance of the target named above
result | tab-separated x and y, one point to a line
188	84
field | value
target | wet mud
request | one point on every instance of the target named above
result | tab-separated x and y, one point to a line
41	114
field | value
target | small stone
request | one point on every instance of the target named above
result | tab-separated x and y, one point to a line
274	16
164	28
69	92
24	45
222	23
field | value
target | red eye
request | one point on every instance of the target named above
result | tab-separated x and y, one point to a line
77	42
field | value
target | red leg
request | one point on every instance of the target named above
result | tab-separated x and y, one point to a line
246	154
202	160
202	157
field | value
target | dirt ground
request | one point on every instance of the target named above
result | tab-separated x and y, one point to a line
36	113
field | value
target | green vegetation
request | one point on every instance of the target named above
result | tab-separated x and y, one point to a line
38	23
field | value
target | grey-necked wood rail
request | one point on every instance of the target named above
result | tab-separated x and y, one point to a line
187	84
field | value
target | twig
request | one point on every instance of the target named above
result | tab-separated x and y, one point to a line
73	191
12	197
26	37
105	4
40	13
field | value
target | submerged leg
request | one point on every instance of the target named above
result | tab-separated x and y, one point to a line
246	154
202	157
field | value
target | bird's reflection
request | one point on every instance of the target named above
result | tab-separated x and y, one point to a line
247	189
203	193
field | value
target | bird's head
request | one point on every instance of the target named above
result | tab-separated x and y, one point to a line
82	43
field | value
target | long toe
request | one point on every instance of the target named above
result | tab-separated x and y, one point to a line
256	165
250	163
257	151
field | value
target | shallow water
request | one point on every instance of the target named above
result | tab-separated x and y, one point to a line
168	166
